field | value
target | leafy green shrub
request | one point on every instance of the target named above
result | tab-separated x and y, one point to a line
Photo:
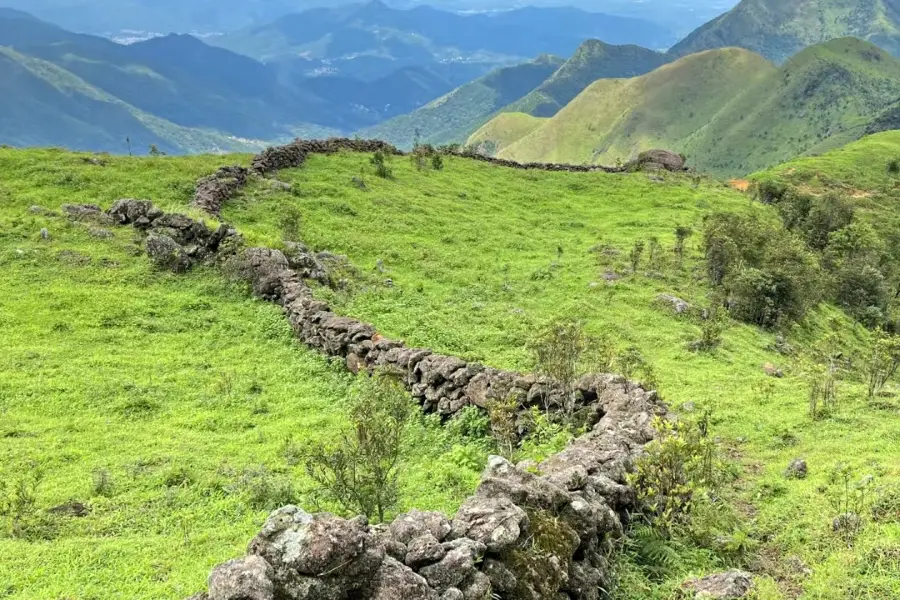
681	236
850	499
289	222
679	464
822	371
883	363
18	502
563	352
265	490
632	365
504	429
768	274
360	469
437	162
381	167
893	166
635	255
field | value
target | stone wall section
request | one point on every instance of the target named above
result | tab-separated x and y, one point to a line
213	191
530	532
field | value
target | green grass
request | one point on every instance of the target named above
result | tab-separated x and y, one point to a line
730	111
182	388
779	28
474	255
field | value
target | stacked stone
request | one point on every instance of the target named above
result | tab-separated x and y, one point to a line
213	191
523	535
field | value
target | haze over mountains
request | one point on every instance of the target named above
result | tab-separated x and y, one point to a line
531	84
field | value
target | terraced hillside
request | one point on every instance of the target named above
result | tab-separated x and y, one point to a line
730	111
196	387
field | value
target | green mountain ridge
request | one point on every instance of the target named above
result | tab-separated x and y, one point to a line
778	29
42	105
728	110
593	60
453	117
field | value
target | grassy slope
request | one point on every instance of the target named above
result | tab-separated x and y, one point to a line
455	116
181	387
778	29
503	130
592	61
618	118
820	99
729	111
47	105
480	257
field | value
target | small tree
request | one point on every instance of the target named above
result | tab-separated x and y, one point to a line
883	362
504	430
635	256
437	162
681	236
822	373
381	167
154	151
632	364
655	254
360	469
18	501
290	221
563	352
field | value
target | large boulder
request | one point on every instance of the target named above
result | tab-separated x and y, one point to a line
416	523
495	522
393	581
167	254
658	160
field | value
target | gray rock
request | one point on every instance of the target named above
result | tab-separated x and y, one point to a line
502	479
318	546
167	254
847	523
732	585
476	587
571	479
86	212
393	581
424	550
45	235
495	522
676	304
243	579
456	566
453	594
797	469
502	579
409	526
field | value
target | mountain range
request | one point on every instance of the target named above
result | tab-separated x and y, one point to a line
730	110
772	79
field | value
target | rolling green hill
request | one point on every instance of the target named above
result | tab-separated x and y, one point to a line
174	406
822	98
502	130
614	119
592	61
455	116
728	110
778	29
42	104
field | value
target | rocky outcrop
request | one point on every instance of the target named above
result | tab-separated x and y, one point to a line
522	536
213	191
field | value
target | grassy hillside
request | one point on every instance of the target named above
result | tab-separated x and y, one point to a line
170	405
43	104
777	29
592	61
503	130
455	116
822	98
480	257
615	119
728	110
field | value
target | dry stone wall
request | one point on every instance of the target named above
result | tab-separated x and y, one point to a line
529	532
213	191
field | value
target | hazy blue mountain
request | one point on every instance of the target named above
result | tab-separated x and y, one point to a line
424	34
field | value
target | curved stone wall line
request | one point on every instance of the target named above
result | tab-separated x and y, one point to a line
213	191
537	532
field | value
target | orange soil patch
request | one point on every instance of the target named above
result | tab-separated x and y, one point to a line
742	185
